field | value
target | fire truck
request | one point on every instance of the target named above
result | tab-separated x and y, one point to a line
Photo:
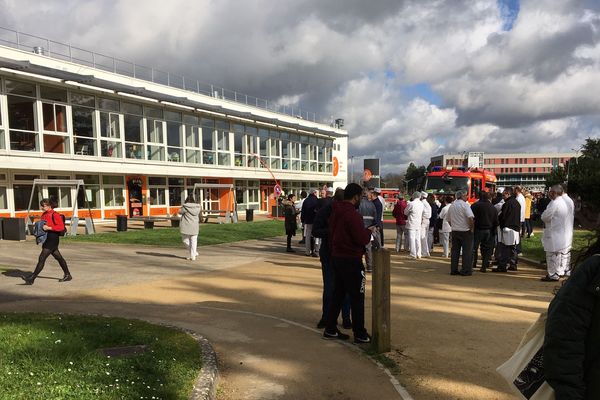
447	181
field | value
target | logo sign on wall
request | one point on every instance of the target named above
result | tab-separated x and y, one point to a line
371	172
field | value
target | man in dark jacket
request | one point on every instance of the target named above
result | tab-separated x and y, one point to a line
307	216
486	222
572	346
321	231
510	225
348	240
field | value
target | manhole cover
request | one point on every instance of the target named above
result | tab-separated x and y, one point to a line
126	351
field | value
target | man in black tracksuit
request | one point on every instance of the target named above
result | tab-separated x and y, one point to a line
486	221
510	217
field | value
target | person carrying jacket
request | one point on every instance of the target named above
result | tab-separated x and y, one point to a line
53	226
508	233
291	222
348	238
307	216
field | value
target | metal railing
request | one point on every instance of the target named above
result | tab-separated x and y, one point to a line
68	52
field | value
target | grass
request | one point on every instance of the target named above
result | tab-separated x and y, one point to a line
532	248
57	357
170	237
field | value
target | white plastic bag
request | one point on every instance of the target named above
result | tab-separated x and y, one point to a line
524	371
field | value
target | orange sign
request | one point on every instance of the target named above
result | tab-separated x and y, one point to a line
367	175
336	166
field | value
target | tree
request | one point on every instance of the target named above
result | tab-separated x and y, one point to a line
413	177
584	173
558	175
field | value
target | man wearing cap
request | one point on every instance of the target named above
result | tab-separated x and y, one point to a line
414	220
307	217
461	220
425	224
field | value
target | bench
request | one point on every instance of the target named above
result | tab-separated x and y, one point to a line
150	220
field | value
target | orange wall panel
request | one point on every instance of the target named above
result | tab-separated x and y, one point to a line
114	213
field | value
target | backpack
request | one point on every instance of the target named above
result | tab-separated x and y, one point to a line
64	231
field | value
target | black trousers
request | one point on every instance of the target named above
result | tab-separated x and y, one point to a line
50	247
507	255
462	241
484	239
350	279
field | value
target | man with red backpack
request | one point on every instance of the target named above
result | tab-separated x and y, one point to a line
398	213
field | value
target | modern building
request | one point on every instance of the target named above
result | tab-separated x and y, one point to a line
523	169
140	138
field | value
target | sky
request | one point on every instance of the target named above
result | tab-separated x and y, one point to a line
411	78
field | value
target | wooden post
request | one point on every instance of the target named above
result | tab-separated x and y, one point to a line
381	301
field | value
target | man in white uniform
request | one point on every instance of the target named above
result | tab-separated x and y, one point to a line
565	260
521	199
414	219
556	236
425	225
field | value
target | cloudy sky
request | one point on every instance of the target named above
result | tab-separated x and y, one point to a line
411	79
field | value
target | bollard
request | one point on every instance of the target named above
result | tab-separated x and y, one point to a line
381	301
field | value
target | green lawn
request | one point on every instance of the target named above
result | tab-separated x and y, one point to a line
170	237
532	248
58	357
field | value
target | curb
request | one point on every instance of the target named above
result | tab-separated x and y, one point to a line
532	262
205	386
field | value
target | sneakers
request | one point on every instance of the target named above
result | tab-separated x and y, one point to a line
366	338
335	335
550	278
66	278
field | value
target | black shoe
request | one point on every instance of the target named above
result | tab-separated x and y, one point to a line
366	338
347	324
302	242
29	279
548	278
499	270
335	335
512	267
465	273
66	278
290	250
315	254
321	324
482	270
454	273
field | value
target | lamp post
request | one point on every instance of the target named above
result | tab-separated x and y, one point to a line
352	169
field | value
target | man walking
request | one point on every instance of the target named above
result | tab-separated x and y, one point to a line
348	240
508	234
460	217
398	213
307	217
556	234
414	220
486	222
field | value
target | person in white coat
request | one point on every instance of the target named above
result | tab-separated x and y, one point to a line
556	236
521	199
565	260
446	228
189	226
414	220
425	224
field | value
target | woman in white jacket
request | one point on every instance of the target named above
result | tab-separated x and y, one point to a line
189	226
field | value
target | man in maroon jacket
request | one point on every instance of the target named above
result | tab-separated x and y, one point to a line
348	240
398	213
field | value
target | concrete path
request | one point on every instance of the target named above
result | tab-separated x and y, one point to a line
256	304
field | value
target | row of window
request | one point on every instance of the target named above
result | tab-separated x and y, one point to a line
53	120
548	160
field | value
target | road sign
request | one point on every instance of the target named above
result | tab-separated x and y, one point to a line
277	190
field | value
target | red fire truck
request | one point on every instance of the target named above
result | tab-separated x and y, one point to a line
448	181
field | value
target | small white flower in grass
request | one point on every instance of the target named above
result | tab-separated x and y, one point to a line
116	380
39	383
57	341
107	373
31	374
69	369
71	362
10	373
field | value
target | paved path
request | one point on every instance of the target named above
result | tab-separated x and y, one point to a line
254	303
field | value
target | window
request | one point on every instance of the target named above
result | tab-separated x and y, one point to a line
91	191
238	145
223	148
275	153
156	150
176	193
193	153
62	195
174	142
133	130
295	151
83	131
285	151
250	147
3	198
113	190
2	130
158	190
263	145
21	116
208	141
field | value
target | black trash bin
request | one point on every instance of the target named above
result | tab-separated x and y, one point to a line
249	215
121	223
13	229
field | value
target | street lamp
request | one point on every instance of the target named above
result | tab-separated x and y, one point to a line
352	169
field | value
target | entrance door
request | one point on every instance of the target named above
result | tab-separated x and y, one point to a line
135	189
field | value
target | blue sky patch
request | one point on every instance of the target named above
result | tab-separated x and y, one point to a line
422	90
509	11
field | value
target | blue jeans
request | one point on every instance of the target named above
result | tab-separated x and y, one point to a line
328	288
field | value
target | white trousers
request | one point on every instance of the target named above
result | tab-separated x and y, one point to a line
400	239
553	259
430	239
445	241
414	242
565	261
307	238
191	244
424	243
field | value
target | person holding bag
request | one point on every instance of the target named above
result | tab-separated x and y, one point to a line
54	227
189	226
